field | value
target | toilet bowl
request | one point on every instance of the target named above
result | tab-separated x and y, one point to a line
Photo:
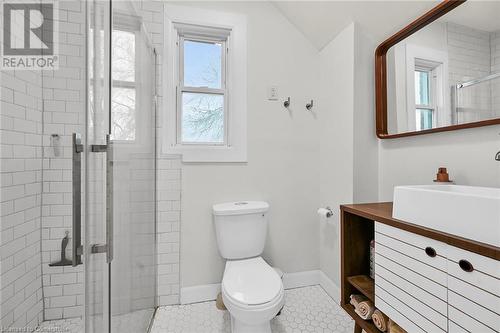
252	291
253	294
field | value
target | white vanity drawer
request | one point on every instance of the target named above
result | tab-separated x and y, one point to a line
480	296
408	282
409	275
411	238
474	310
435	259
473	291
397	315
486	271
467	322
423	315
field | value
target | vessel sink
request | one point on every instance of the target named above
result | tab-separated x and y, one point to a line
467	211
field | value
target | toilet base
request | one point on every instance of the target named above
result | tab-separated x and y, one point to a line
238	326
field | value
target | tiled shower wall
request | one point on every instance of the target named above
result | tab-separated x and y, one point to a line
27	212
495	68
21	301
168	176
474	54
469	58
64	114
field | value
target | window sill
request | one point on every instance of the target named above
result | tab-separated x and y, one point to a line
209	154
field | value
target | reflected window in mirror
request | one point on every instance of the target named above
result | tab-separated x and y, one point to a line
424	110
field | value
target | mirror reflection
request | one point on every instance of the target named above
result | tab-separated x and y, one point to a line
447	73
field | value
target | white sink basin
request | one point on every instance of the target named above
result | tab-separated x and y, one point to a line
466	211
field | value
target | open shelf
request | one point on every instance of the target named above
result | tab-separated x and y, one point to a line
364	284
367	325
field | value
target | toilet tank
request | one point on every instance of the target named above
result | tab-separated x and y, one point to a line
241	228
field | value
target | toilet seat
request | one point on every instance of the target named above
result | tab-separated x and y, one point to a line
251	282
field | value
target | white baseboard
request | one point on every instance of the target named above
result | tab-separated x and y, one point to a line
330	287
209	292
301	279
202	293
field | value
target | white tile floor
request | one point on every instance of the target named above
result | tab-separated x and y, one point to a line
134	322
307	309
73	325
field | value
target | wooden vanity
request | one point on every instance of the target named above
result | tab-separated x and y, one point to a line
425	280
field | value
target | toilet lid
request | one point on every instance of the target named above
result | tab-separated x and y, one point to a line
251	281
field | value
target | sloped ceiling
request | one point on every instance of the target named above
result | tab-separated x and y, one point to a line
321	21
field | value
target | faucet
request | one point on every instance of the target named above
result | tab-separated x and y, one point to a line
497	157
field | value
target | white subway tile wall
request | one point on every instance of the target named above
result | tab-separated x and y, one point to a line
495	68
168	177
63	114
21	303
471	56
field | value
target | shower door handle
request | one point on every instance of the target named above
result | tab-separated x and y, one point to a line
109	199
77	249
108	247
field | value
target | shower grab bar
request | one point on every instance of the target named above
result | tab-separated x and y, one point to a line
77	249
476	81
108	247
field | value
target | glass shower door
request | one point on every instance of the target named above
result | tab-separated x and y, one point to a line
97	288
133	137
121	172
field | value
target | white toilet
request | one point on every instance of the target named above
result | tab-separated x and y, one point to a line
251	289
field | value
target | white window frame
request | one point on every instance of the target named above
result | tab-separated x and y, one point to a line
182	88
184	18
437	62
431	69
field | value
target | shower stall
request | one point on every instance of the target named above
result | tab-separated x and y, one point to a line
477	99
78	167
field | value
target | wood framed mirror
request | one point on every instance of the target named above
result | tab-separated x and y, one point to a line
441	72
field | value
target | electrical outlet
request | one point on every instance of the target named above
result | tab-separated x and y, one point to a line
272	93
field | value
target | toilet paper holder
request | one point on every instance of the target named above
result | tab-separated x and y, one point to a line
325	212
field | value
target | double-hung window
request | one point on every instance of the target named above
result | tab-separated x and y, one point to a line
124	74
205	85
427	90
202	94
424	99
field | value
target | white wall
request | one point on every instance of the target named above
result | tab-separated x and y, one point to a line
348	145
365	140
468	155
336	141
283	152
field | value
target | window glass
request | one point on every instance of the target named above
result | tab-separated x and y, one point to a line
422	88
123	55
423	119
123	113
123	95
202	64
202	118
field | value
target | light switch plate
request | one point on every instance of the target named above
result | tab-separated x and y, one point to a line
272	93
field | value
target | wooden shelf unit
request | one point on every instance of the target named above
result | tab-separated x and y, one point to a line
365	285
361	324
356	233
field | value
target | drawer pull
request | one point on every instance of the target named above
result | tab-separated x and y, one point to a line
430	252
466	266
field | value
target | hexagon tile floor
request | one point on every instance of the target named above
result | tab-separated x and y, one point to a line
307	309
